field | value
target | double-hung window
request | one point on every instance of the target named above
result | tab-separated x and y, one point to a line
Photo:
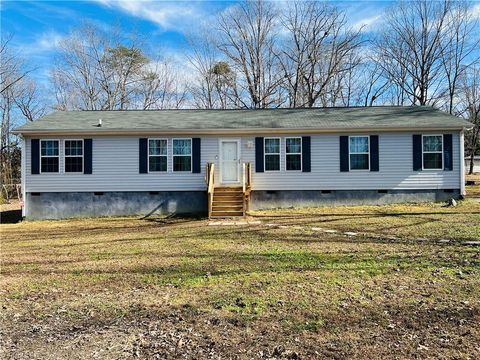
432	146
359	155
182	155
73	156
49	156
272	154
157	155
293	153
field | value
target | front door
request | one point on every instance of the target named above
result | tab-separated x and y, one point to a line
229	161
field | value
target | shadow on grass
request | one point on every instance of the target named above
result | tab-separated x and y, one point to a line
173	219
10	216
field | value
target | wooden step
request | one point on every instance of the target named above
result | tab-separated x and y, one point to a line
220	189
227	202
227	198
227	208
226	213
228	193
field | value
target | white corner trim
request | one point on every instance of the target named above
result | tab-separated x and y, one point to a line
23	175
462	164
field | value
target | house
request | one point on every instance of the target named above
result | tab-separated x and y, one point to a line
476	163
101	163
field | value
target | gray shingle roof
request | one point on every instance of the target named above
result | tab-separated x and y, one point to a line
355	118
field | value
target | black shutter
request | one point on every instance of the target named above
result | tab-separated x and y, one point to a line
259	154
447	152
87	156
143	155
374	157
417	152
344	161
35	156
306	154
196	155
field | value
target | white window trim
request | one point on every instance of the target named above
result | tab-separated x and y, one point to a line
65	156
358	153
148	156
300	153
49	156
433	152
191	156
279	154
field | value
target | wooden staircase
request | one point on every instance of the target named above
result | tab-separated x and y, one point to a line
227	202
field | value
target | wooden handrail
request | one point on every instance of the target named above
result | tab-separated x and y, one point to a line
210	180
246	185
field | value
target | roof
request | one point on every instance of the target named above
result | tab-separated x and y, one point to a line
381	118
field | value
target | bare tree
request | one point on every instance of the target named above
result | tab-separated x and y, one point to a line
458	47
249	42
96	71
319	53
159	87
19	101
12	68
78	70
204	54
410	48
469	107
29	101
373	83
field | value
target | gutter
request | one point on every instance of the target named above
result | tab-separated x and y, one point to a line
252	131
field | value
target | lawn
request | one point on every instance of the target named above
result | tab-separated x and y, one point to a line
404	283
474	191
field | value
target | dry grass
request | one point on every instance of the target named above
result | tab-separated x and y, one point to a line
124	287
474	190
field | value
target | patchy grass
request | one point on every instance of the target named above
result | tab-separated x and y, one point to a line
124	287
410	221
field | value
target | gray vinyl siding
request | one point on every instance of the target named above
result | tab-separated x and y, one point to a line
116	168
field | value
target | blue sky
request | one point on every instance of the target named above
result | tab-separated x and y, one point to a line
37	26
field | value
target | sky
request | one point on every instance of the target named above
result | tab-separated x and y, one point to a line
38	26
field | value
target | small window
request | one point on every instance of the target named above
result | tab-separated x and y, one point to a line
74	156
182	155
272	154
157	155
293	153
49	156
432	146
359	152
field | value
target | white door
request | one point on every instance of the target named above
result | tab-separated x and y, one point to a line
229	161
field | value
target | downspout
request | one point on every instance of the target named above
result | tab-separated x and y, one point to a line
462	164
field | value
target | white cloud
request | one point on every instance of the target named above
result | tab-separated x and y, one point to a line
476	11
366	23
167	15
40	47
47	41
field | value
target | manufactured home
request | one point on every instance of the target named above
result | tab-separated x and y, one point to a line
225	162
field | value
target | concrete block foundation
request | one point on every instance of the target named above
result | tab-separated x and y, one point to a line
194	203
90	204
311	198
